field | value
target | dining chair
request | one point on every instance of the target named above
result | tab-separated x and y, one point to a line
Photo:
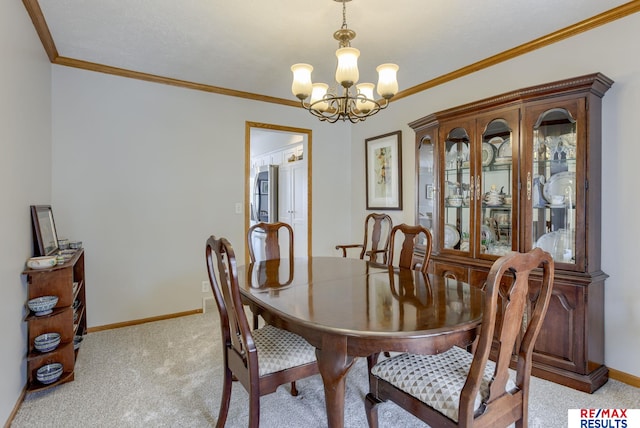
271	233
260	359
414	254
377	229
271	249
458	388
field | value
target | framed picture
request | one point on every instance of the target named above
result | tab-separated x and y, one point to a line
45	237
429	191
383	167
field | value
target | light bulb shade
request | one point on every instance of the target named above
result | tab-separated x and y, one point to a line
366	90
301	86
347	71
387	81
317	94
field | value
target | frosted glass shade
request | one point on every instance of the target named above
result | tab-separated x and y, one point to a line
347	71
318	92
387	81
365	89
301	86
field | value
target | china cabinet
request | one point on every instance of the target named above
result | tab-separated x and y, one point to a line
517	171
68	318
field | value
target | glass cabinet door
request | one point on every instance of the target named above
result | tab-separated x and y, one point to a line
426	189
551	183
456	192
498	183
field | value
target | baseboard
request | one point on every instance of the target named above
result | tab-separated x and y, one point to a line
142	321
14	412
623	377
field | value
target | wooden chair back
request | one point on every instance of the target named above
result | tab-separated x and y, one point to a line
236	334
272	242
503	401
240	350
415	249
508	331
377	231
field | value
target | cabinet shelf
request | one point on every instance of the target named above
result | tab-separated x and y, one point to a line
67	282
35	386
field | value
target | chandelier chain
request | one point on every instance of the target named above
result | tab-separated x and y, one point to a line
344	14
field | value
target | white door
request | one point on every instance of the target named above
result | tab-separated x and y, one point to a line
292	204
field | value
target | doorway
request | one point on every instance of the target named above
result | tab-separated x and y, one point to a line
290	149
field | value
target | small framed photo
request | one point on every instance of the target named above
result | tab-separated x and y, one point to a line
429	191
383	165
45	237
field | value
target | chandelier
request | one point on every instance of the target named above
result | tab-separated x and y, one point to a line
354	105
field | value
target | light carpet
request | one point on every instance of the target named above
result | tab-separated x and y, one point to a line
167	374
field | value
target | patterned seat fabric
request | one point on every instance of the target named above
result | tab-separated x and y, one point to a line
436	380
280	349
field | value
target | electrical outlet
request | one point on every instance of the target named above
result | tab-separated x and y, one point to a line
205	286
238	208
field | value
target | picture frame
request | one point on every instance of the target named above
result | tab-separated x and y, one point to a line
45	237
383	171
429	191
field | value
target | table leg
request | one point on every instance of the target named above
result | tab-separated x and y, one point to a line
333	364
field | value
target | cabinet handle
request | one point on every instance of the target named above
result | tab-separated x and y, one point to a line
471	189
529	186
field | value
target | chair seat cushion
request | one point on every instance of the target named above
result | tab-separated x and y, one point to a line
280	349
436	380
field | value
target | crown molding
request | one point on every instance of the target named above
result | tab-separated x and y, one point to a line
33	8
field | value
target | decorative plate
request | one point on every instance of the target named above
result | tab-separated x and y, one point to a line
496	141
458	153
559	184
451	236
488	152
504	151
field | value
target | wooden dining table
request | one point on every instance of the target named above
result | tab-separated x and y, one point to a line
348	308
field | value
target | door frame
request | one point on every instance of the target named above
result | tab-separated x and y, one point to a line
247	173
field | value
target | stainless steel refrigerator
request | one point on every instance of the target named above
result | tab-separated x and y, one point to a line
265	195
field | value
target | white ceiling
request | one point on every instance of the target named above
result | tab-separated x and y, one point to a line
249	45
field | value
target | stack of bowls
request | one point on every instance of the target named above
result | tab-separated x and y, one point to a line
49	373
455	201
42	305
47	342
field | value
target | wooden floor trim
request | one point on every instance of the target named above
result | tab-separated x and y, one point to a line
142	321
623	377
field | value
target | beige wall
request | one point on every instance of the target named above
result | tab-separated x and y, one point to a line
143	173
25	175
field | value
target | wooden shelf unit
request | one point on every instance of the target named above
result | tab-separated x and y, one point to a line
67	282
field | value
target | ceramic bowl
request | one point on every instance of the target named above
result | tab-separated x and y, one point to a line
455	201
47	342
43	262
76	341
42	305
49	373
